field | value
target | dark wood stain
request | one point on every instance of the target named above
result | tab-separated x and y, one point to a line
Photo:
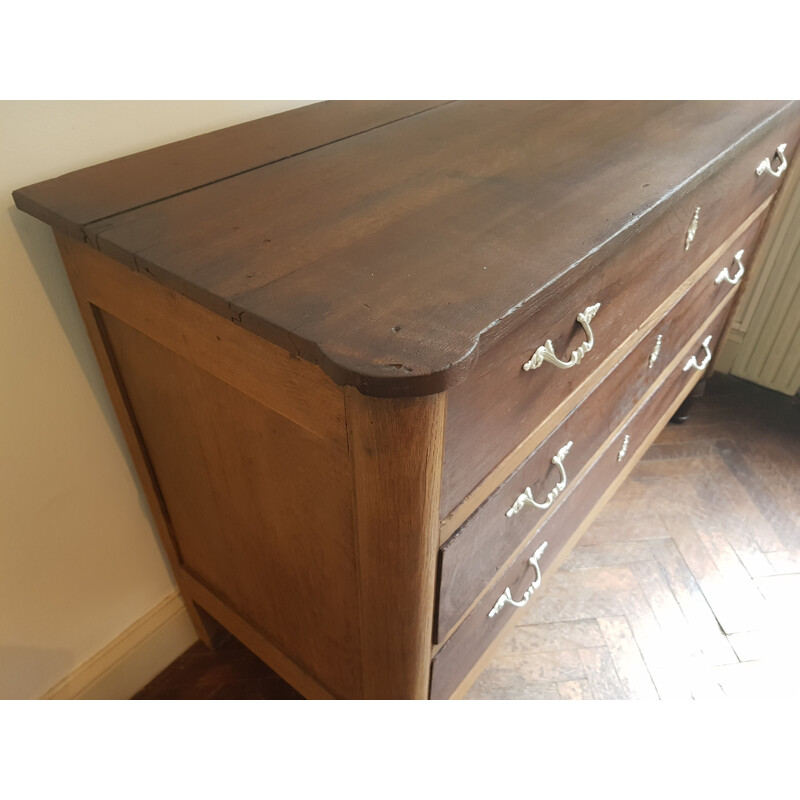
460	652
489	413
472	556
231	672
628	530
419	259
414	241
73	201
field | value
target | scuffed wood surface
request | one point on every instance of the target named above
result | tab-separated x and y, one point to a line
388	256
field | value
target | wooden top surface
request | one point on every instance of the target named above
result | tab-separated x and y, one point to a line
389	241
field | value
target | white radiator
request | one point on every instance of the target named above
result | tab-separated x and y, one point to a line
763	345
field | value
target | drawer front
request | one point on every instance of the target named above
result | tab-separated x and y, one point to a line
500	403
467	643
474	554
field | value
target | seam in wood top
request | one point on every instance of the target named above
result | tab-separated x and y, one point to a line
366	258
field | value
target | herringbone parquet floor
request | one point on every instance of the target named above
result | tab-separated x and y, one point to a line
686	586
688	583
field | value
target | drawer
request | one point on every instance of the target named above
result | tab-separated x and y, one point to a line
473	555
478	630
500	404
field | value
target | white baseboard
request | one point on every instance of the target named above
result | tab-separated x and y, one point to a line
134	658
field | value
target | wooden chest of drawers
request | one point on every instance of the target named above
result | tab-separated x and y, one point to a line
380	364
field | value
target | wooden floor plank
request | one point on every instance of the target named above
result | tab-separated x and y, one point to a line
728	504
575	690
589	594
751	645
784	562
699	427
552	636
735	579
767	489
601	674
528	676
609	554
731	610
692	450
628	662
766	681
674	627
658	593
687	585
606	529
696	610
507	683
666	668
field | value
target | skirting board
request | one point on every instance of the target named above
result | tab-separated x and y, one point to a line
133	658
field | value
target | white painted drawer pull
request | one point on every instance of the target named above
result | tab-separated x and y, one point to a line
537	582
546	353
766	164
692	362
726	276
526	498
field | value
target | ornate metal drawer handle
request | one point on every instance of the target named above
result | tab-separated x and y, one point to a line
766	164
546	353
692	231
655	351
726	276
537	582
692	362
526	498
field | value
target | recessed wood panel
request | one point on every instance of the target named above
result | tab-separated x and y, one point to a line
260	508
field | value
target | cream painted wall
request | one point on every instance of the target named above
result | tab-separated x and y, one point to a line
79	557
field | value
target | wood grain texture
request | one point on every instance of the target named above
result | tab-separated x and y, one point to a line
500	400
247	493
436	232
673	321
268	374
747	438
205	358
73	201
248	633
472	556
467	649
233	672
81	281
572	605
397	450
653	547
306	518
456	474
